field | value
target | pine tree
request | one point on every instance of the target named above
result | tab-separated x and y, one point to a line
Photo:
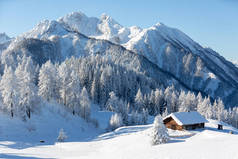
165	113
139	101
117	105
64	74
25	74
168	96
104	90
199	99
174	102
182	102
48	80
62	136
112	103
95	91
85	104
159	132
214	109
115	121
158	101
220	110
74	93
205	108
9	91
144	116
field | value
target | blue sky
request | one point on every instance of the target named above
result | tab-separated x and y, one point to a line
212	23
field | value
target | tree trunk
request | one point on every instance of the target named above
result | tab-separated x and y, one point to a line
11	110
28	113
64	97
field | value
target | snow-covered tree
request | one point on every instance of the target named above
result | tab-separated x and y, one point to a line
159	134
95	92
168	96
174	102
182	104
104	89
188	102
64	79
234	116
48	80
138	118
159	100
115	121
25	74
73	95
220	110
144	116
135	118
62	136
9	91
117	105
165	113
205	108
85	104
139	101
112	103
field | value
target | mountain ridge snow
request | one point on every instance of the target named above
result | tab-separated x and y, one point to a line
170	49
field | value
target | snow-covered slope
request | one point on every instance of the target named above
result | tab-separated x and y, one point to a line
173	52
46	125
134	142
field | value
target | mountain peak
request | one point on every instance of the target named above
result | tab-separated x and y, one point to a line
4	38
159	24
104	16
46	28
74	16
109	20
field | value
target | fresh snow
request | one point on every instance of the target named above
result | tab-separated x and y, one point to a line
22	140
47	124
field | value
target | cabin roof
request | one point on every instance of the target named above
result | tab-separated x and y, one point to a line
187	118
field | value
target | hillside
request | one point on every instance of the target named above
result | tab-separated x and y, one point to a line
124	142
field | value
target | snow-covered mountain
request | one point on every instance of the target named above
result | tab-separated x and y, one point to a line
4	38
4	41
169	54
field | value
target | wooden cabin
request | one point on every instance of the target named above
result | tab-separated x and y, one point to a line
185	121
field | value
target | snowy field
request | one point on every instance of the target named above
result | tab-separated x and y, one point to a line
21	140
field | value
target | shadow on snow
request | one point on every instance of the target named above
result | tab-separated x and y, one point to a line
16	156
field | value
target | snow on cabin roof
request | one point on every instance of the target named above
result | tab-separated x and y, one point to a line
187	118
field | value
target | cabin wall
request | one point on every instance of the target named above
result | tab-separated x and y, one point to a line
171	124
193	126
